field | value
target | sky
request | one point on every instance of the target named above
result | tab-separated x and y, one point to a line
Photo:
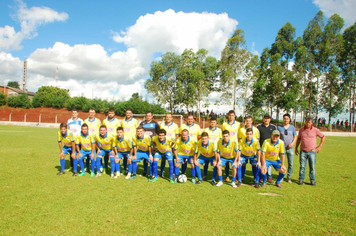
103	49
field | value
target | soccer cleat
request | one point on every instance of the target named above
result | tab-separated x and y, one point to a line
312	182
172	181
263	184
128	176
238	184
75	173
133	176
112	176
154	179
143	175
193	181
269	180
82	174
233	185
278	185
213	182
300	182
219	184
227	179
61	173
199	182
92	174
257	185
97	174
205	178
289	180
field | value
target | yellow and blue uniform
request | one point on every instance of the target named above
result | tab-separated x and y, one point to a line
214	134
129	127
67	141
255	133
112	125
227	151
123	145
233	128
205	153
171	129
249	151
194	130
105	145
85	143
163	152
142	147
184	149
93	125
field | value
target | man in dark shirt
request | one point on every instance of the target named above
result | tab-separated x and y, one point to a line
266	129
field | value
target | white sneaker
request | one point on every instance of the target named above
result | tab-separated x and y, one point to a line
117	175
128	176
219	184
112	176
97	174
233	185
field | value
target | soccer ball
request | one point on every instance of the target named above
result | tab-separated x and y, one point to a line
182	178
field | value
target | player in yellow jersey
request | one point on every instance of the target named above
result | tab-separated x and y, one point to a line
66	143
183	149
273	152
129	124
205	150
249	150
163	150
227	150
85	145
214	136
123	148
170	127
104	145
94	125
142	150
194	129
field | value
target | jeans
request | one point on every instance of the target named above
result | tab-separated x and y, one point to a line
311	157
290	158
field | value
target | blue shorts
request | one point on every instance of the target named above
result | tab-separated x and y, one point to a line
104	152
245	159
85	154
141	155
202	159
123	154
276	164
167	155
67	150
182	158
224	161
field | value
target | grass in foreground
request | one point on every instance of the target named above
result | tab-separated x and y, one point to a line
34	200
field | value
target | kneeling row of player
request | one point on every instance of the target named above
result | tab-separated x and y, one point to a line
184	150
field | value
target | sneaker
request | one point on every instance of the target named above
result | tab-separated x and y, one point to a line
143	175
289	180
154	179
117	174
312	182
263	184
300	182
172	181
193	181
213	182
278	185
205	178
233	185
199	182
128	176
101	169
97	174
112	176
257	185
82	174
269	180
75	173
61	173
133	176
238	184
227	179
219	184
92	174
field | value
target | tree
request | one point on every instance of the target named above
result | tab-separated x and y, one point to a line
162	83
13	84
49	96
20	100
3	99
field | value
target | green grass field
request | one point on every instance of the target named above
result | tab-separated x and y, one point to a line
34	200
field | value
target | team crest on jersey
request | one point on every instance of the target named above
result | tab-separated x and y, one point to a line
106	140
123	143
229	147
144	142
189	145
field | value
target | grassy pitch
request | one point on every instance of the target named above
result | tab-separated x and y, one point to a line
34	200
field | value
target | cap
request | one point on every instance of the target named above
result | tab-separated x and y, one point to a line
275	132
267	115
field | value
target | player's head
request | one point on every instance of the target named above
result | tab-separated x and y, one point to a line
92	113
308	122
190	119
102	130
75	114
185	135
111	113
162	134
213	122
275	136
63	127
149	116
128	113
85	129
231	115
140	131
226	136
204	138
120	132
266	119
248	121
169	118
286	119
249	134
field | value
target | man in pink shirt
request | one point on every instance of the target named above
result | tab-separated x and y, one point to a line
307	138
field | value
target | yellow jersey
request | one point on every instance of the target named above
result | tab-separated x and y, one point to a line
185	148
85	142
164	146
124	144
249	149
233	128
194	131
207	151
229	150
129	127
214	135
105	143
112	125
255	133
142	144
66	139
272	151
171	129
93	125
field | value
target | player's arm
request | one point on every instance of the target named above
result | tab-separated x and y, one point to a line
259	158
73	150
318	148
92	150
296	151
283	167
237	158
78	150
60	145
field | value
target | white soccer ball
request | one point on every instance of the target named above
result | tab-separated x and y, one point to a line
182	178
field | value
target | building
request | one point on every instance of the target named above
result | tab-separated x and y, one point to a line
9	91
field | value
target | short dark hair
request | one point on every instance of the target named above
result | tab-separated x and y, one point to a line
119	128
213	118
111	109
185	130
190	114
248	117
307	119
103	126
249	130
204	134
147	112
162	131
226	132
140	127
287	114
63	125
231	111
84	125
129	109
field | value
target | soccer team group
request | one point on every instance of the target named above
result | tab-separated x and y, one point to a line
93	144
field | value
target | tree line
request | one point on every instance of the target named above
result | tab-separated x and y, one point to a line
306	74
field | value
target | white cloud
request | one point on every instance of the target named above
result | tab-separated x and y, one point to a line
10	68
30	19
345	8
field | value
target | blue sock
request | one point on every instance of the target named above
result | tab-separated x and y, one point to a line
215	172
63	163
112	165
233	179
125	163
264	177
280	177
81	164
98	164
75	164
134	167
220	178
130	167
243	171
253	170
198	172
163	164
257	174
87	162
145	165
106	161
155	168
117	167
206	166
92	165
184	168
171	166
227	169
151	168
239	174
176	171
192	170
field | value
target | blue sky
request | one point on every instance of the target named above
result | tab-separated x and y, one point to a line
106	46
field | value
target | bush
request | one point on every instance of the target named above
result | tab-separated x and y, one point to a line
3	99
49	96
20	100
